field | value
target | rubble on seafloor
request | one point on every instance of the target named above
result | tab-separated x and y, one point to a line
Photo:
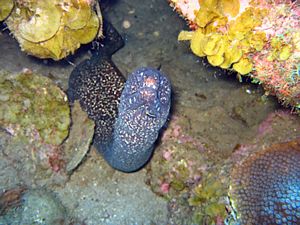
35	121
257	39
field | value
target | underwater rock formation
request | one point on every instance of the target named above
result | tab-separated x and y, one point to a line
36	206
80	138
259	39
72	23
41	207
144	109
265	187
34	124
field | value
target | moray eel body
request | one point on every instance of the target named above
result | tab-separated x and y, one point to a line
265	188
128	116
143	110
97	84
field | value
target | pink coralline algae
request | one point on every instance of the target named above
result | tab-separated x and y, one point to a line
165	187
175	132
266	126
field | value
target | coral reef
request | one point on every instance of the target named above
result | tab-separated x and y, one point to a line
259	39
174	168
192	164
35	115
72	23
264	188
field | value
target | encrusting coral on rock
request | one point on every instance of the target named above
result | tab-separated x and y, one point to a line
27	105
35	121
35	114
259	39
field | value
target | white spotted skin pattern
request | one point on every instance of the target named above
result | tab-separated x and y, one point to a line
143	111
97	84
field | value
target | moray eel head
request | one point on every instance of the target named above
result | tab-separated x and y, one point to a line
149	90
143	111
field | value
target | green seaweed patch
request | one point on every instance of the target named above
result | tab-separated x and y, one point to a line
32	105
208	200
180	175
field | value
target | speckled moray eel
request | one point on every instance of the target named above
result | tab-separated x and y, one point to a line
98	84
143	110
125	138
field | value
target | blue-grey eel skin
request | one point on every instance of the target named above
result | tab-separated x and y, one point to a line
143	111
128	114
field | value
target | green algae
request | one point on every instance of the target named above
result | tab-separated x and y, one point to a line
208	200
33	106
180	176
